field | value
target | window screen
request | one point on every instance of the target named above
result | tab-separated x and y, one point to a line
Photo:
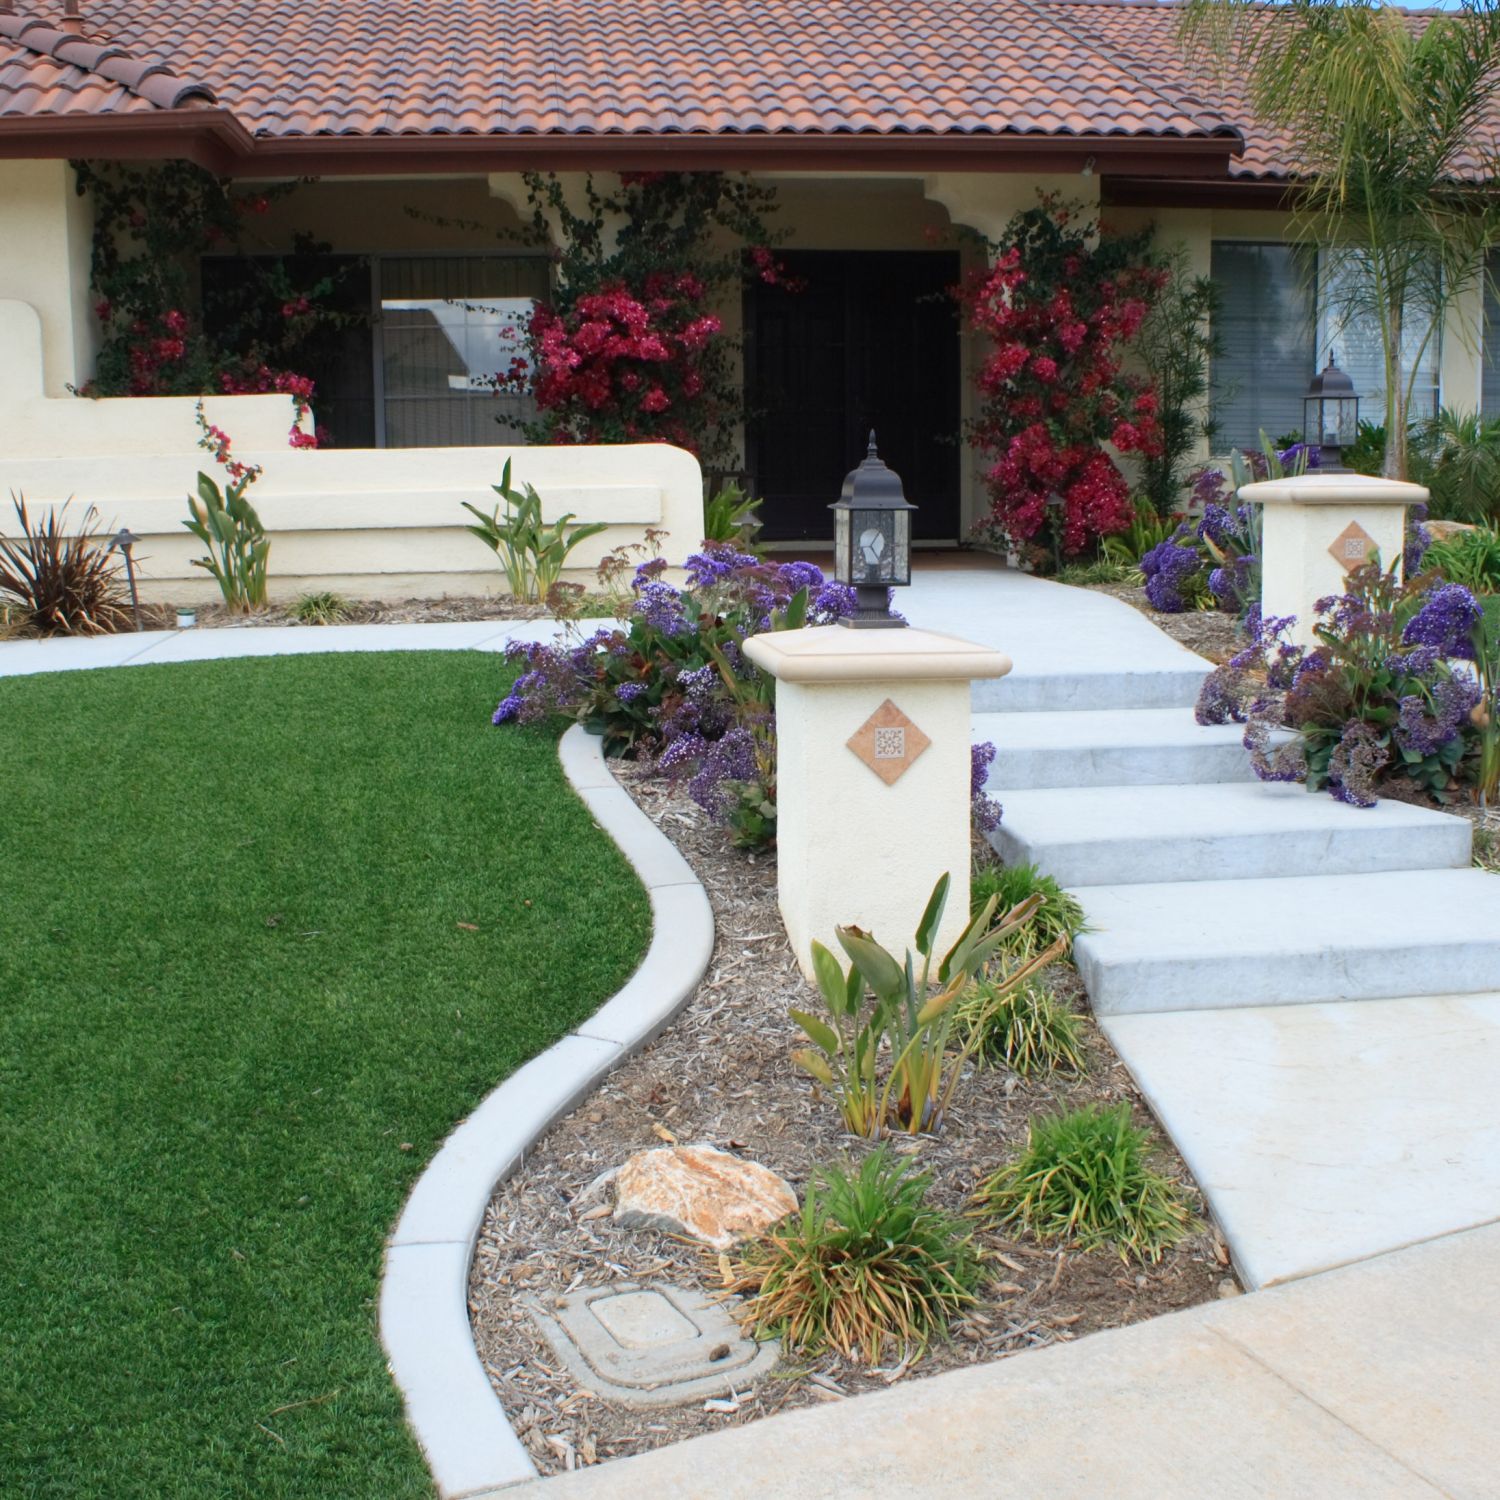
1489	394
1265	329
448	325
1354	338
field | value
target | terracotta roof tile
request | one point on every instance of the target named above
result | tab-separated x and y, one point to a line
373	67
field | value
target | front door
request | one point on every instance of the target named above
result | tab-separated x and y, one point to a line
870	340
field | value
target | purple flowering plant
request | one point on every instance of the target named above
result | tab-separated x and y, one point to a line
1384	693
670	682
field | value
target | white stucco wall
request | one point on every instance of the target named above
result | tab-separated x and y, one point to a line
369	523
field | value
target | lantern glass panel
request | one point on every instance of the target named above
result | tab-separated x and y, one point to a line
1332	421
874	546
842	563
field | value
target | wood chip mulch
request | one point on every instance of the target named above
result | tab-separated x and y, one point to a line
722	1074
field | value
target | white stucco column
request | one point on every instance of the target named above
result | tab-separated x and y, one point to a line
872	778
1316	529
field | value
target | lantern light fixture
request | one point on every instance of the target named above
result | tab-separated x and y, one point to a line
872	541
1330	415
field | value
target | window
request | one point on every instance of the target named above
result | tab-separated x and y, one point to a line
1274	340
1265	327
1489	393
447	326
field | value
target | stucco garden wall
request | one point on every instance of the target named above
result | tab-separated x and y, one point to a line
369	523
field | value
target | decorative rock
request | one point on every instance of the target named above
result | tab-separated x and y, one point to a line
700	1192
1440	531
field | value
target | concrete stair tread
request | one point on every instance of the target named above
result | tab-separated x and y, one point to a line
1131	728
1290	940
1220	830
1356	1128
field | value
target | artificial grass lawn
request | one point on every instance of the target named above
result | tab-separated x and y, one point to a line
238	1013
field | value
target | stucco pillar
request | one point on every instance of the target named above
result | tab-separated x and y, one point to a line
872	778
1316	529
46	240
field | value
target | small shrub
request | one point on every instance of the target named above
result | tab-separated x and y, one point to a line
62	583
532	556
228	525
1086	1178
730	516
1059	917
1471	558
867	1261
1100	570
321	609
1025	1027
917	1022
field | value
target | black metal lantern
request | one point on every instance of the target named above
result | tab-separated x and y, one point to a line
872	540
1330	414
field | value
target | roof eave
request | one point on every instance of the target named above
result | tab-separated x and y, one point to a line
215	139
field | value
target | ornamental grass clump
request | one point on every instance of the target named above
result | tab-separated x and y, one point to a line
867	1263
1086	1178
1058	917
63	581
1026	1028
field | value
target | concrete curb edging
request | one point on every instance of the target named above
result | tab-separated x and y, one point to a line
424	1314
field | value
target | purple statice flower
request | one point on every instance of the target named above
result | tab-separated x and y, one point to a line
628	692
1288	458
1356	761
717	562
987	811
648	572
1418	662
800	575
727	760
660	606
1425	734
1285	761
1218	525
1446	620
1219	698
832	602
1168	569
1208	486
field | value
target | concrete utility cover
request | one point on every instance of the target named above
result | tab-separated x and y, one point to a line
651	1345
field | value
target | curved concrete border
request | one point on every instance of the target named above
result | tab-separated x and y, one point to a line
424	1291
424	1307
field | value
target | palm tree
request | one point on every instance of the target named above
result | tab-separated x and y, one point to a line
1392	122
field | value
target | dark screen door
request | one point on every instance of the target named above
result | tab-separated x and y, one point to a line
870	340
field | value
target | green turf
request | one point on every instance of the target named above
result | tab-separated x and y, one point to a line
238	1013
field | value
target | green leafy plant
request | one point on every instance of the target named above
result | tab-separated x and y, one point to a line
1146	530
532	555
1485	715
1086	1178
321	609
1471	558
238	547
867	1261
1100	570
1025	1027
906	1011
64	580
730	516
1457	456
1058	918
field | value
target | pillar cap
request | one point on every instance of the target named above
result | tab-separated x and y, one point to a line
832	653
1334	489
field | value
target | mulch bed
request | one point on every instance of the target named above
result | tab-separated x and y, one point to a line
722	1074
446	610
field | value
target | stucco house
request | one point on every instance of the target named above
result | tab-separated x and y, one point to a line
882	124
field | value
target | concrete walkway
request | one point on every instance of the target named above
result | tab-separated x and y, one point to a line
1307	993
1379	1382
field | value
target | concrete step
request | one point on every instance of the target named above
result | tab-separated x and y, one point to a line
1119	835
1305	1172
1289	941
1111	747
1024	690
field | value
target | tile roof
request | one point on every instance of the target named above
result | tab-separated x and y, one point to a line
348	68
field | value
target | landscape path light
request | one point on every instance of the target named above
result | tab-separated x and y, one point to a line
122	541
872	541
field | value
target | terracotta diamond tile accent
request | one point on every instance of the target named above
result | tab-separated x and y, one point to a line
888	743
1352	547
